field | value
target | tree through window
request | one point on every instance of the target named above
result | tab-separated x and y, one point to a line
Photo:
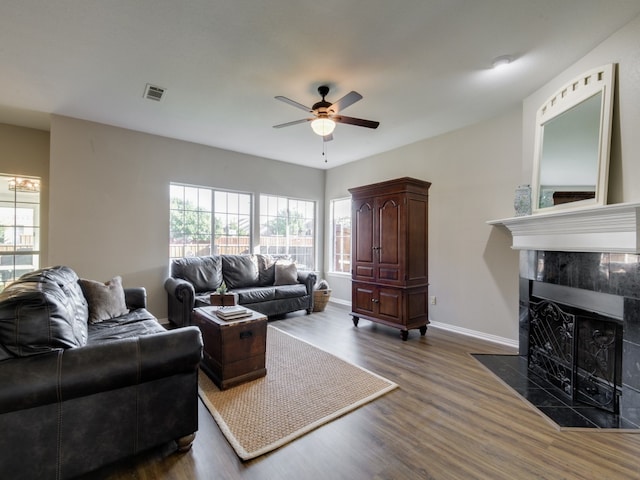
287	227
204	221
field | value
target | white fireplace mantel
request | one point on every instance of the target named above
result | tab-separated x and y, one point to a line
609	228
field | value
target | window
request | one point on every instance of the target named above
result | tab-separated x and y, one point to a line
19	227
287	227
341	235
204	221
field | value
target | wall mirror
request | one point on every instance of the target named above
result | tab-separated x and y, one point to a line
573	135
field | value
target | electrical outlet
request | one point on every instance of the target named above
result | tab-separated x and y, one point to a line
432	300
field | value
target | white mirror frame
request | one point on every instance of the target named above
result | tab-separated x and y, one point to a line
585	86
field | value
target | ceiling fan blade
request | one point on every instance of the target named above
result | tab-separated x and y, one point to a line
293	103
295	122
349	99
327	138
355	121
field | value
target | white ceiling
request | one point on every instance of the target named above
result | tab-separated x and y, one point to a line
421	65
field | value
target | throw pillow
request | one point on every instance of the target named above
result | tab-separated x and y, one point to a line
106	300
266	270
286	274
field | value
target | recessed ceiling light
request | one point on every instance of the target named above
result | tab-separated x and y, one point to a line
502	61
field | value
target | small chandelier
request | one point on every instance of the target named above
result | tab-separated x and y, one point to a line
323	126
29	185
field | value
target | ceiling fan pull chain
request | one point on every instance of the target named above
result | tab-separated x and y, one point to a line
324	146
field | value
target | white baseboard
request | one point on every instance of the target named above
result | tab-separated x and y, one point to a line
339	301
452	328
475	334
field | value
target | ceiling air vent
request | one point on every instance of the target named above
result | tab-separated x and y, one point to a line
153	92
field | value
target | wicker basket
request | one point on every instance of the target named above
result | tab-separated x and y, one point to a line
320	299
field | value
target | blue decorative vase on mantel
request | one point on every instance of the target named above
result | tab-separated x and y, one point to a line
522	201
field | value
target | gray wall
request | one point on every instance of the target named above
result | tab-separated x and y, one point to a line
109	197
474	172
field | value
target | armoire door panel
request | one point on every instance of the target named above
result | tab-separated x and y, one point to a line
388	274
389	232
364	272
390	304
363	231
363	299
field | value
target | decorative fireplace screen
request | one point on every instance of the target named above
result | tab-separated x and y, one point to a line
577	351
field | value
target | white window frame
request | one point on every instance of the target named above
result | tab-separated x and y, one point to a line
343	205
20	229
280	210
214	211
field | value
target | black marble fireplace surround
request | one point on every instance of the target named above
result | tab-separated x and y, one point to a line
607	284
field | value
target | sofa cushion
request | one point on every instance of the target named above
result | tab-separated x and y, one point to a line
4	354
290	291
106	300
202	300
43	312
240	271
255	295
286	273
134	324
204	273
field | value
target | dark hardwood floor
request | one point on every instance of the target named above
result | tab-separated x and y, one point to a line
450	419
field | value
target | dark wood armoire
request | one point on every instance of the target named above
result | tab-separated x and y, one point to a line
389	255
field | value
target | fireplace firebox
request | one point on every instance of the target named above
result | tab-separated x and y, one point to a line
578	351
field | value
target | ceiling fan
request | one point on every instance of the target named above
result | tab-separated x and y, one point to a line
325	114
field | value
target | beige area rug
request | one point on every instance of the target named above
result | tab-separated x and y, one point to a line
305	388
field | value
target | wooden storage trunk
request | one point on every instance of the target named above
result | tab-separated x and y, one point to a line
234	350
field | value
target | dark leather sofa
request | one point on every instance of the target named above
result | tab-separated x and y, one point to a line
75	396
252	277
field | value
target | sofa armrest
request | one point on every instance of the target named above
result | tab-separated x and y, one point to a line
181	290
182	298
77	372
135	297
308	278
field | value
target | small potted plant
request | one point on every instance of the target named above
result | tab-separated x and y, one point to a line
223	297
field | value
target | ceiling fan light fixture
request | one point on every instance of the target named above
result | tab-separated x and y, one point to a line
323	126
502	61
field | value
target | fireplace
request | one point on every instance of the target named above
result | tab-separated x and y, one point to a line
591	250
580	326
577	350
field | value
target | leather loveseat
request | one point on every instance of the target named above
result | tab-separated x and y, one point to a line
269	285
77	395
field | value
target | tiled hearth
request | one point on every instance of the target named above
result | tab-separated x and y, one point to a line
599	280
513	371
